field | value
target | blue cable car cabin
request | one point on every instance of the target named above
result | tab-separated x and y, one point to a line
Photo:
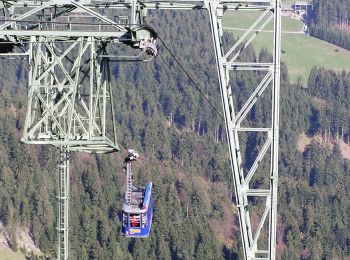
137	205
137	217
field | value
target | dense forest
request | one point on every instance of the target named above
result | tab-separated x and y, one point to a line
331	21
184	152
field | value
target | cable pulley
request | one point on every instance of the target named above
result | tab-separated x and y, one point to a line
143	38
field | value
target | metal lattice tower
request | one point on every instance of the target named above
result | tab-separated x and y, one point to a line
70	99
227	62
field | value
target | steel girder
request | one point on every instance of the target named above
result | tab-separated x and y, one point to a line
70	97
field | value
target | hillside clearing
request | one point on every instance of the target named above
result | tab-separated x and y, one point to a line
305	140
8	254
299	51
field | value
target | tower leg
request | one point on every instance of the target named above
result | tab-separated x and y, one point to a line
63	204
275	129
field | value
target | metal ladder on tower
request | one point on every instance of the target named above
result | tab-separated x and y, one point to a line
129	184
63	203
132	156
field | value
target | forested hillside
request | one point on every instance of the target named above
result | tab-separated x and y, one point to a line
314	186
331	21
184	152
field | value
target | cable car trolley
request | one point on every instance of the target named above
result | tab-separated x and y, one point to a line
137	205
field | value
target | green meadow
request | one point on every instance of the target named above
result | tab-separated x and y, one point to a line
299	51
288	2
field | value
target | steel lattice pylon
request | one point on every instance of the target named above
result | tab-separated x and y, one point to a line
68	104
70	93
70	99
226	63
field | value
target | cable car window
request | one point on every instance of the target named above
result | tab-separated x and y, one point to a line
125	219
144	219
135	220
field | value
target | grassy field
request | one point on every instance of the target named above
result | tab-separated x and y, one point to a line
299	51
7	254
288	2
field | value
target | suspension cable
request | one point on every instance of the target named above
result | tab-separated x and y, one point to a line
196	85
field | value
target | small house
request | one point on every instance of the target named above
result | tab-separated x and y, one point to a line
302	8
